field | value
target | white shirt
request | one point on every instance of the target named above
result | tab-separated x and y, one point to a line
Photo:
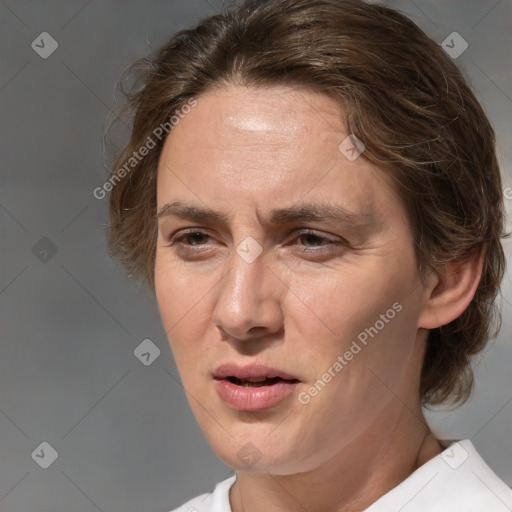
456	480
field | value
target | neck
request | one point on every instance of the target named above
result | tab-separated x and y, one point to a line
355	477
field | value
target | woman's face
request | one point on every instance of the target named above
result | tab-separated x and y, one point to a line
251	272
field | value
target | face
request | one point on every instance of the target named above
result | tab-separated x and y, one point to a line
280	258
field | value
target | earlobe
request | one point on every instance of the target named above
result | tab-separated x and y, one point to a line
450	292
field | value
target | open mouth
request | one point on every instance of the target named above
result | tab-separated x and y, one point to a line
253	388
258	382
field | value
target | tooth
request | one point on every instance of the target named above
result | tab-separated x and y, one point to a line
256	379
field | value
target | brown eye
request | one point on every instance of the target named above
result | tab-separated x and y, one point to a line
314	239
313	242
189	237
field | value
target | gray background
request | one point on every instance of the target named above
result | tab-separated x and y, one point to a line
70	321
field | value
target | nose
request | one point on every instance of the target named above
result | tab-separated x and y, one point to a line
249	300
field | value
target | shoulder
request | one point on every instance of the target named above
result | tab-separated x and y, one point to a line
456	479
215	501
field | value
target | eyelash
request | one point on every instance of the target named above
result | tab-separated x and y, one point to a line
332	244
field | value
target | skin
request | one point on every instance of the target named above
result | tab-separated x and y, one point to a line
243	152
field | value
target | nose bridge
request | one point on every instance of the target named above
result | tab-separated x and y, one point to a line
243	284
246	298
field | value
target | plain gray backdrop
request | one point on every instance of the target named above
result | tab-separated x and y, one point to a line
122	431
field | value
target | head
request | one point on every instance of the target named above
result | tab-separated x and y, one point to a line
224	214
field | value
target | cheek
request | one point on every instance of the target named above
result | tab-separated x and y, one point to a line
178	302
167	295
345	303
178	290
368	317
185	299
379	358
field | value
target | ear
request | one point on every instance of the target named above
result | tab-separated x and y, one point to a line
449	293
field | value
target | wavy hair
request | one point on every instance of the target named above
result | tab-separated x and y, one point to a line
403	97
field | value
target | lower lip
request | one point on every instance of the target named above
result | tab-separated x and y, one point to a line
254	398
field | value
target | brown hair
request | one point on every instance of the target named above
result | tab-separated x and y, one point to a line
403	97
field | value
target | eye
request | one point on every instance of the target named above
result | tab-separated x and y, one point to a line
184	238
313	237
309	242
321	243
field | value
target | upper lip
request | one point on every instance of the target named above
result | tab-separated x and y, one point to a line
252	371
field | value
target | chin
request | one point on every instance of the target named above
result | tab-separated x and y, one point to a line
255	456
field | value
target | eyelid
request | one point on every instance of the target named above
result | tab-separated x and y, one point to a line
319	234
332	244
180	234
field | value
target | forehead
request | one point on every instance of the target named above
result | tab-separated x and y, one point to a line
273	143
269	117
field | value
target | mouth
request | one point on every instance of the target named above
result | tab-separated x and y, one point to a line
254	373
257	382
254	387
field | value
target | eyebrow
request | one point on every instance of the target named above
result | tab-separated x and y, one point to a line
303	212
